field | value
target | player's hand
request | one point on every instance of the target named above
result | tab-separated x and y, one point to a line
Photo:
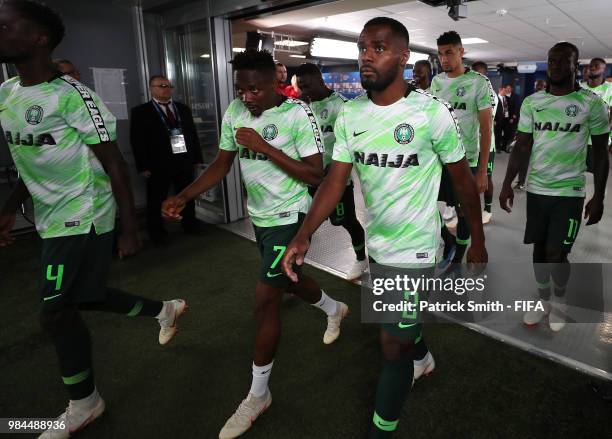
129	244
477	258
295	253
593	211
251	139
482	181
172	208
506	198
7	221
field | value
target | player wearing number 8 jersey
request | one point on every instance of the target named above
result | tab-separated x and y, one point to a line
326	104
278	144
553	133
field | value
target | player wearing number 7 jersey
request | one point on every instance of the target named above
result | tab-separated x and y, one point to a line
554	129
279	147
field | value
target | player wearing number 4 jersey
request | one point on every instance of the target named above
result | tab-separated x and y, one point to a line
278	144
553	133
326	104
396	138
62	139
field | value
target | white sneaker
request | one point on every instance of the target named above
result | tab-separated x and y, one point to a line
425	367
74	419
556	321
358	268
176	308
248	410
449	212
486	217
452	223
533	317
333	323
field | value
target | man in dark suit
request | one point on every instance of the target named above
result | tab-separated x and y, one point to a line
166	149
513	115
501	117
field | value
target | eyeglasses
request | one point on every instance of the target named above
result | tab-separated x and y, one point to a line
163	86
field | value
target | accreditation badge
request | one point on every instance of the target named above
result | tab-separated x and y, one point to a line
177	142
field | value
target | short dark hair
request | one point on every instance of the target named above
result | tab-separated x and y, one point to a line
450	37
258	60
398	28
308	69
479	64
601	60
570	46
423	62
42	15
154	77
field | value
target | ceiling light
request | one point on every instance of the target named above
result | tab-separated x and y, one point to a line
238	49
328	48
473	41
290	43
205	55
297	56
417	56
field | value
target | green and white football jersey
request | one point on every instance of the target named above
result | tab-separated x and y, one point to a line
48	128
326	112
561	127
495	104
397	151
604	91
274	197
467	94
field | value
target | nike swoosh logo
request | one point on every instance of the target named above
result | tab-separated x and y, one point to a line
273	275
52	297
404	326
358	134
541	109
386	424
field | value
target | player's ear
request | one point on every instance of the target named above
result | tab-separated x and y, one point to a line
405	57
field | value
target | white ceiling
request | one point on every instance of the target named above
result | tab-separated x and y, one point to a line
525	33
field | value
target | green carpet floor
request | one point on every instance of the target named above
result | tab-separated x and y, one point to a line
481	388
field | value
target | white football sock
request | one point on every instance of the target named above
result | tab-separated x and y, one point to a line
261	376
327	304
88	402
164	311
422	361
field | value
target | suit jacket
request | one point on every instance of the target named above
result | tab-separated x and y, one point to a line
513	107
151	141
499	113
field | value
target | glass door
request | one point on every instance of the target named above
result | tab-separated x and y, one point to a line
189	67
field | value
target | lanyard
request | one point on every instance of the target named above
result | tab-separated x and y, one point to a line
164	118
